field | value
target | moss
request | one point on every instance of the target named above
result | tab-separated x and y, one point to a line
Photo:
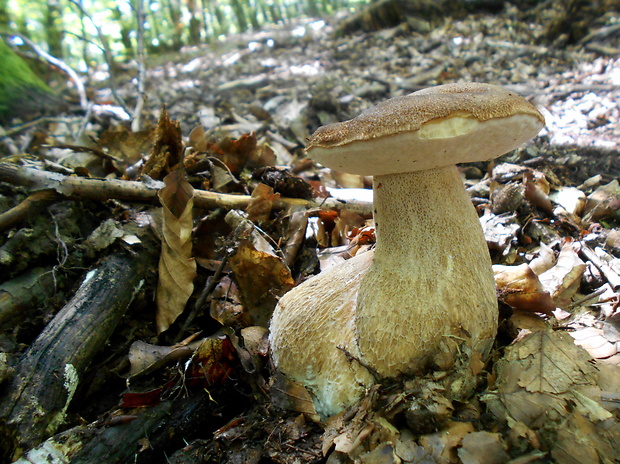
22	92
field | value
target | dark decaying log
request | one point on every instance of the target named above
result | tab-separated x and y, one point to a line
34	400
146	437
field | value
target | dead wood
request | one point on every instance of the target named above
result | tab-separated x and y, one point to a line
143	437
34	401
104	189
26	291
35	202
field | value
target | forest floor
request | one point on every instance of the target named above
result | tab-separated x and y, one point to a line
203	389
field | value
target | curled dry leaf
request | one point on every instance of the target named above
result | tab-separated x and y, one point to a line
251	345
520	288
562	280
291	396
177	268
167	151
261	204
570	198
226	307
197	139
544	260
536	192
603	202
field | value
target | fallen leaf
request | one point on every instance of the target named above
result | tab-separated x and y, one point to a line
262	278
486	447
541	378
261	203
145	357
562	280
520	288
212	362
167	152
603	202
177	268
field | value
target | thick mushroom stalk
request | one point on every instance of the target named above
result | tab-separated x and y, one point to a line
430	288
426	296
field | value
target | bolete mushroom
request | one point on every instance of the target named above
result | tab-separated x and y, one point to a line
426	297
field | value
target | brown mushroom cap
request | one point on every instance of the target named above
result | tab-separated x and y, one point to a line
433	127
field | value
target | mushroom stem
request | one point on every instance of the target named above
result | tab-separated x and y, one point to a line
430	289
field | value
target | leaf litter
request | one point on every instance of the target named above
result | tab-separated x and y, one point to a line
550	215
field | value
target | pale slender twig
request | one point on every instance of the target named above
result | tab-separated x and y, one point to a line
103	189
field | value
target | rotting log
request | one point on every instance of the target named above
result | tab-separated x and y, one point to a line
148	436
103	189
34	400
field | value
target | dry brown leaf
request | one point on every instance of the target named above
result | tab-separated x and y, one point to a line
542	377
580	441
144	357
442	446
167	152
129	147
291	396
261	204
544	260
226	307
262	279
603	202
382	454
235	153
520	288
197	139
177	268
562	280
212	362
484	447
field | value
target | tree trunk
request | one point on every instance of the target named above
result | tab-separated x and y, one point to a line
54	28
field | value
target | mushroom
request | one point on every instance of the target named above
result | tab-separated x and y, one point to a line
426	297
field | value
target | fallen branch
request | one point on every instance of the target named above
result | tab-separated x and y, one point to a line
166	427
35	399
105	189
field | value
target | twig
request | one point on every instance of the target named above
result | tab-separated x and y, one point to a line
105	189
91	150
34	202
586	298
612	276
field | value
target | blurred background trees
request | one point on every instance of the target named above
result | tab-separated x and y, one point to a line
84	32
